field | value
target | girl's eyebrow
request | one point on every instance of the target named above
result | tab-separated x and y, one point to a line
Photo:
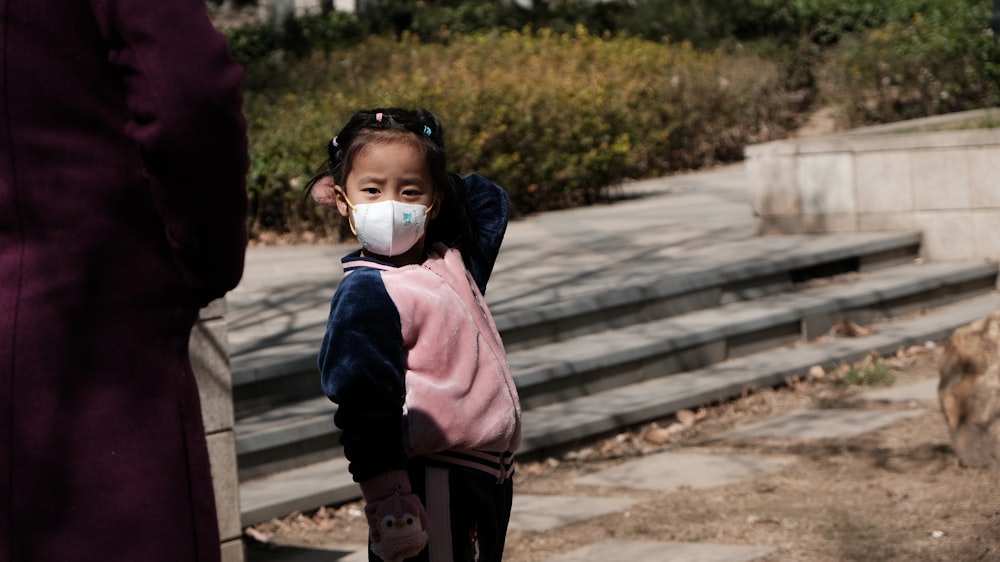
381	180
371	179
415	180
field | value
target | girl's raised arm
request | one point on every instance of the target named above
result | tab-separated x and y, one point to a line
489	211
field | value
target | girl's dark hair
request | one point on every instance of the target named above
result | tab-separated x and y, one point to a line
452	227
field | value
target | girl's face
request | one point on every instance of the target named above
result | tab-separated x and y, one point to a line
394	171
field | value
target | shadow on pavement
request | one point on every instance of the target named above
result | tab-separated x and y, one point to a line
257	553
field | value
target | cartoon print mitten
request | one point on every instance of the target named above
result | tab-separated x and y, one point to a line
397	521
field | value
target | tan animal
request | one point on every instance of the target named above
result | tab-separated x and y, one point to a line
969	391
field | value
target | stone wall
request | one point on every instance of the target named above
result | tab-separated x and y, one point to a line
927	175
210	359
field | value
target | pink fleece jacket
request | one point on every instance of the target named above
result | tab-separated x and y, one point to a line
459	390
413	360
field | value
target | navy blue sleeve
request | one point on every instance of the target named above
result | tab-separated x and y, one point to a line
489	209
362	368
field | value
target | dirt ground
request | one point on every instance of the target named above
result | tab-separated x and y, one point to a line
893	494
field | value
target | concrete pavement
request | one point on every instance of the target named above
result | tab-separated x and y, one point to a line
281	304
673	470
279	311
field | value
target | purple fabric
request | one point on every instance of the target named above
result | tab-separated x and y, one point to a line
122	212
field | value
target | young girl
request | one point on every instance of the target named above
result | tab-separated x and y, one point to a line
427	407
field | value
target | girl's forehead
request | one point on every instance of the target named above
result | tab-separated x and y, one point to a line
392	151
392	158
390	145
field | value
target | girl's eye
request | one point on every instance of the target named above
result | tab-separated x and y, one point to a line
370	190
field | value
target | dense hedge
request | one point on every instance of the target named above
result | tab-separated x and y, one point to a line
704	23
939	61
558	115
555	118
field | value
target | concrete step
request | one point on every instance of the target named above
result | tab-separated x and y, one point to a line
651	286
657	284
300	433
587	416
554	372
563	423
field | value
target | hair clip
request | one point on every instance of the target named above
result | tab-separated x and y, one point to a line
334	142
427	130
378	117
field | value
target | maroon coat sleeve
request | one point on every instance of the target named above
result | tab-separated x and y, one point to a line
183	94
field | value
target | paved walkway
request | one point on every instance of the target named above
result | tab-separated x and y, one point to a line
669	471
280	308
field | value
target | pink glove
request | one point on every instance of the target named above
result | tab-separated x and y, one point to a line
397	521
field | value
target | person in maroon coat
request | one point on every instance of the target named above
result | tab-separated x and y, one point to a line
123	204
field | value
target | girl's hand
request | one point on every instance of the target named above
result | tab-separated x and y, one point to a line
397	521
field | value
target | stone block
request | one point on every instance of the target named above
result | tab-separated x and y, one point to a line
774	185
799	224
654	551
210	359
984	177
821	424
830	222
215	309
546	512
677	470
900	221
883	182
922	391
826	183
940	179
774	224
222	453
947	235
986	229
232	551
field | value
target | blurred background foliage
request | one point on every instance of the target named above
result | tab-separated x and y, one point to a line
561	102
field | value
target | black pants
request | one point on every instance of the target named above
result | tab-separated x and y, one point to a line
478	512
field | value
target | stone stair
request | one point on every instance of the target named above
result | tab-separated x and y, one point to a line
613	347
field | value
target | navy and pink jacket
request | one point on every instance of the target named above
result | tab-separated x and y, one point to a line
414	361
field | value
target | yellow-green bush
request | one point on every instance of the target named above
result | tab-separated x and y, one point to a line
554	118
941	61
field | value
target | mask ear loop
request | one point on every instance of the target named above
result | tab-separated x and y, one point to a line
350	217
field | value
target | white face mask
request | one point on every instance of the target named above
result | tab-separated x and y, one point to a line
388	228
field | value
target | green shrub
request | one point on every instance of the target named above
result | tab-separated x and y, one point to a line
704	23
470	17
555	118
941	61
870	373
824	22
265	51
442	20
252	42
